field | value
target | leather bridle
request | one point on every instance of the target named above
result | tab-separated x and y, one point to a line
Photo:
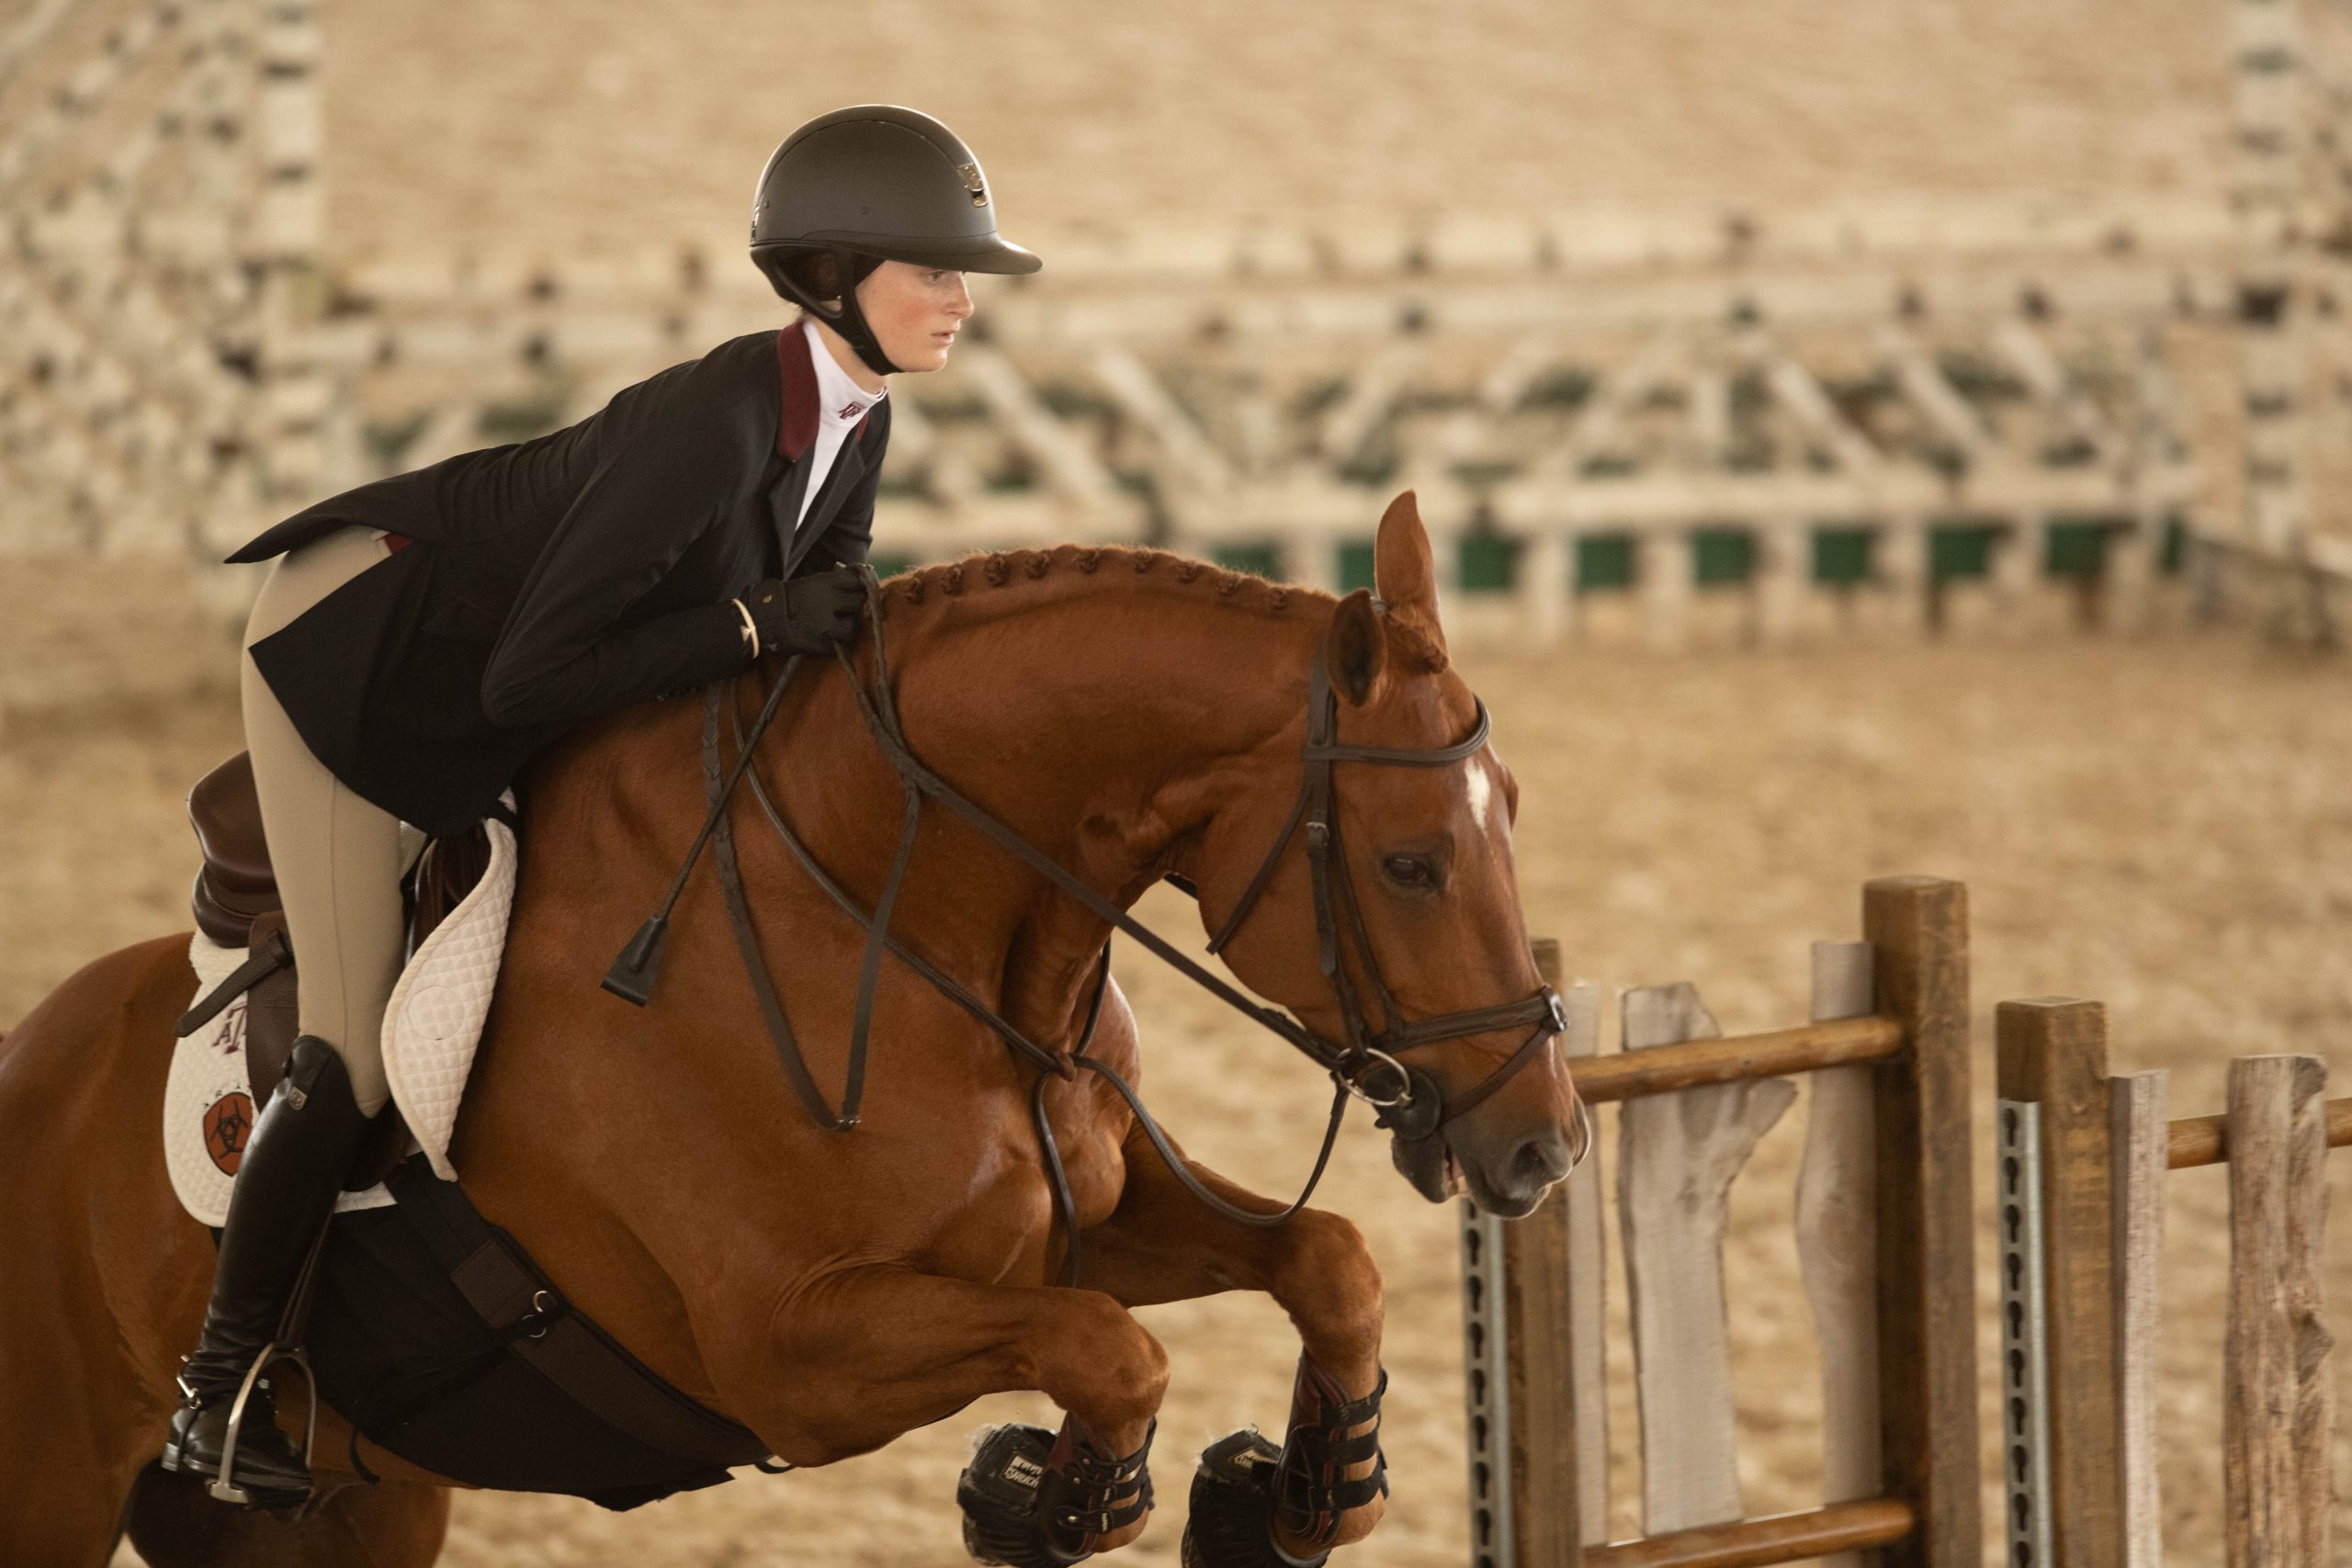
1409	1103
1414	1108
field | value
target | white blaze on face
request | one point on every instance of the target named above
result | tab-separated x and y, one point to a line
1481	791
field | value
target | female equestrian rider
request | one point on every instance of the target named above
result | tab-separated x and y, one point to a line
421	637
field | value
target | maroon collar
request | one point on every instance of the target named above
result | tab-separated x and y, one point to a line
796	430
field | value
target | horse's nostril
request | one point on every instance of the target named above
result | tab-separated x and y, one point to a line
1541	1160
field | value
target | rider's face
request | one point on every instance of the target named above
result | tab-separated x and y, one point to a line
914	312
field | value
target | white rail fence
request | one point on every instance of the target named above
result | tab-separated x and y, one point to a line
158	171
1900	402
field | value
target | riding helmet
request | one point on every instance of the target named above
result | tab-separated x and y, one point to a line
872	183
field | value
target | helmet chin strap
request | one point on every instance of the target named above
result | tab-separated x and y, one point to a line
848	319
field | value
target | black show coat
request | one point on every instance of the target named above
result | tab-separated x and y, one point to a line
548	581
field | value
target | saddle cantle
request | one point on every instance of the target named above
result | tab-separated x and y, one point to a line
236	883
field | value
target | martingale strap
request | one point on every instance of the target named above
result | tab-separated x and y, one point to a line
747	945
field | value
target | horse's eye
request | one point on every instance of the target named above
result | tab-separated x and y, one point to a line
1409	871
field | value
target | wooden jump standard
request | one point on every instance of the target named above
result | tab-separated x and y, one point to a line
2083	1181
1532	1351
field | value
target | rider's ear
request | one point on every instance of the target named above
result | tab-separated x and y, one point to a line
1358	649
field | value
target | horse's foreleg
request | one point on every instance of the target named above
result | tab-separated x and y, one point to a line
871	1353
1162	1244
389	1524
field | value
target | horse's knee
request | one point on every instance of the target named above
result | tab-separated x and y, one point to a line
1328	1281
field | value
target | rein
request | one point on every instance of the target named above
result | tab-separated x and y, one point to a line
1409	1104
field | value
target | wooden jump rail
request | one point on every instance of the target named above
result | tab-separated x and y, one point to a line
1662	1069
1887	1160
1783	1537
2082	1178
2205	1140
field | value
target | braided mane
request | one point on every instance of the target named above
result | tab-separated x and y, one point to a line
1010	570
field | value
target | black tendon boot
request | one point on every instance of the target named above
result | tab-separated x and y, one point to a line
294	1162
1037	1499
1247	1490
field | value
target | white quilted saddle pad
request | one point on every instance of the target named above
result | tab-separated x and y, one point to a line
430	1028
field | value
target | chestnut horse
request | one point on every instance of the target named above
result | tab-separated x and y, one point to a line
1132	714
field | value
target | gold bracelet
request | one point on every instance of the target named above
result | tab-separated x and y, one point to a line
751	629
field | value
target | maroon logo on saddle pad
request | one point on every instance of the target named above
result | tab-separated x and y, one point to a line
226	1125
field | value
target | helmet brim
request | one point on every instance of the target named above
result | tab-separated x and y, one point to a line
989	254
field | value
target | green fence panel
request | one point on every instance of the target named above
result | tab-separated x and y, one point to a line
1605	562
1842	555
1722	555
2077	547
2174	552
886	564
1489	562
1962	549
1355	565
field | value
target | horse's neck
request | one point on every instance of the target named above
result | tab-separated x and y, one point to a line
1099	729
1084	714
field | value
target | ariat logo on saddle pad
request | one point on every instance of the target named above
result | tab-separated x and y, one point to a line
226	1122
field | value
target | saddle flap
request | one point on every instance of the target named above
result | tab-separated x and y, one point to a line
272	1020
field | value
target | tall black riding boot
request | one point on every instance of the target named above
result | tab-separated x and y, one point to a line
301	1145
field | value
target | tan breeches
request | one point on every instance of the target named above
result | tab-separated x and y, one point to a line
336	856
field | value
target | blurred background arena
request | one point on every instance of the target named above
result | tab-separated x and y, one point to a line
1857	440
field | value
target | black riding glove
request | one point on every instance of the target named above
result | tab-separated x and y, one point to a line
807	615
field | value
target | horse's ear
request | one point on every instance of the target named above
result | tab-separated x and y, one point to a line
1405	570
1358	649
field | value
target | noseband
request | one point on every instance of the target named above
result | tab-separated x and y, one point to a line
1408	1101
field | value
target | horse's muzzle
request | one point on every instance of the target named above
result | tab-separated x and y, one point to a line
1508	1180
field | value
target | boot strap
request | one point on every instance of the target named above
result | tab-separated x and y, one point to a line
1093	1481
1312	1489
